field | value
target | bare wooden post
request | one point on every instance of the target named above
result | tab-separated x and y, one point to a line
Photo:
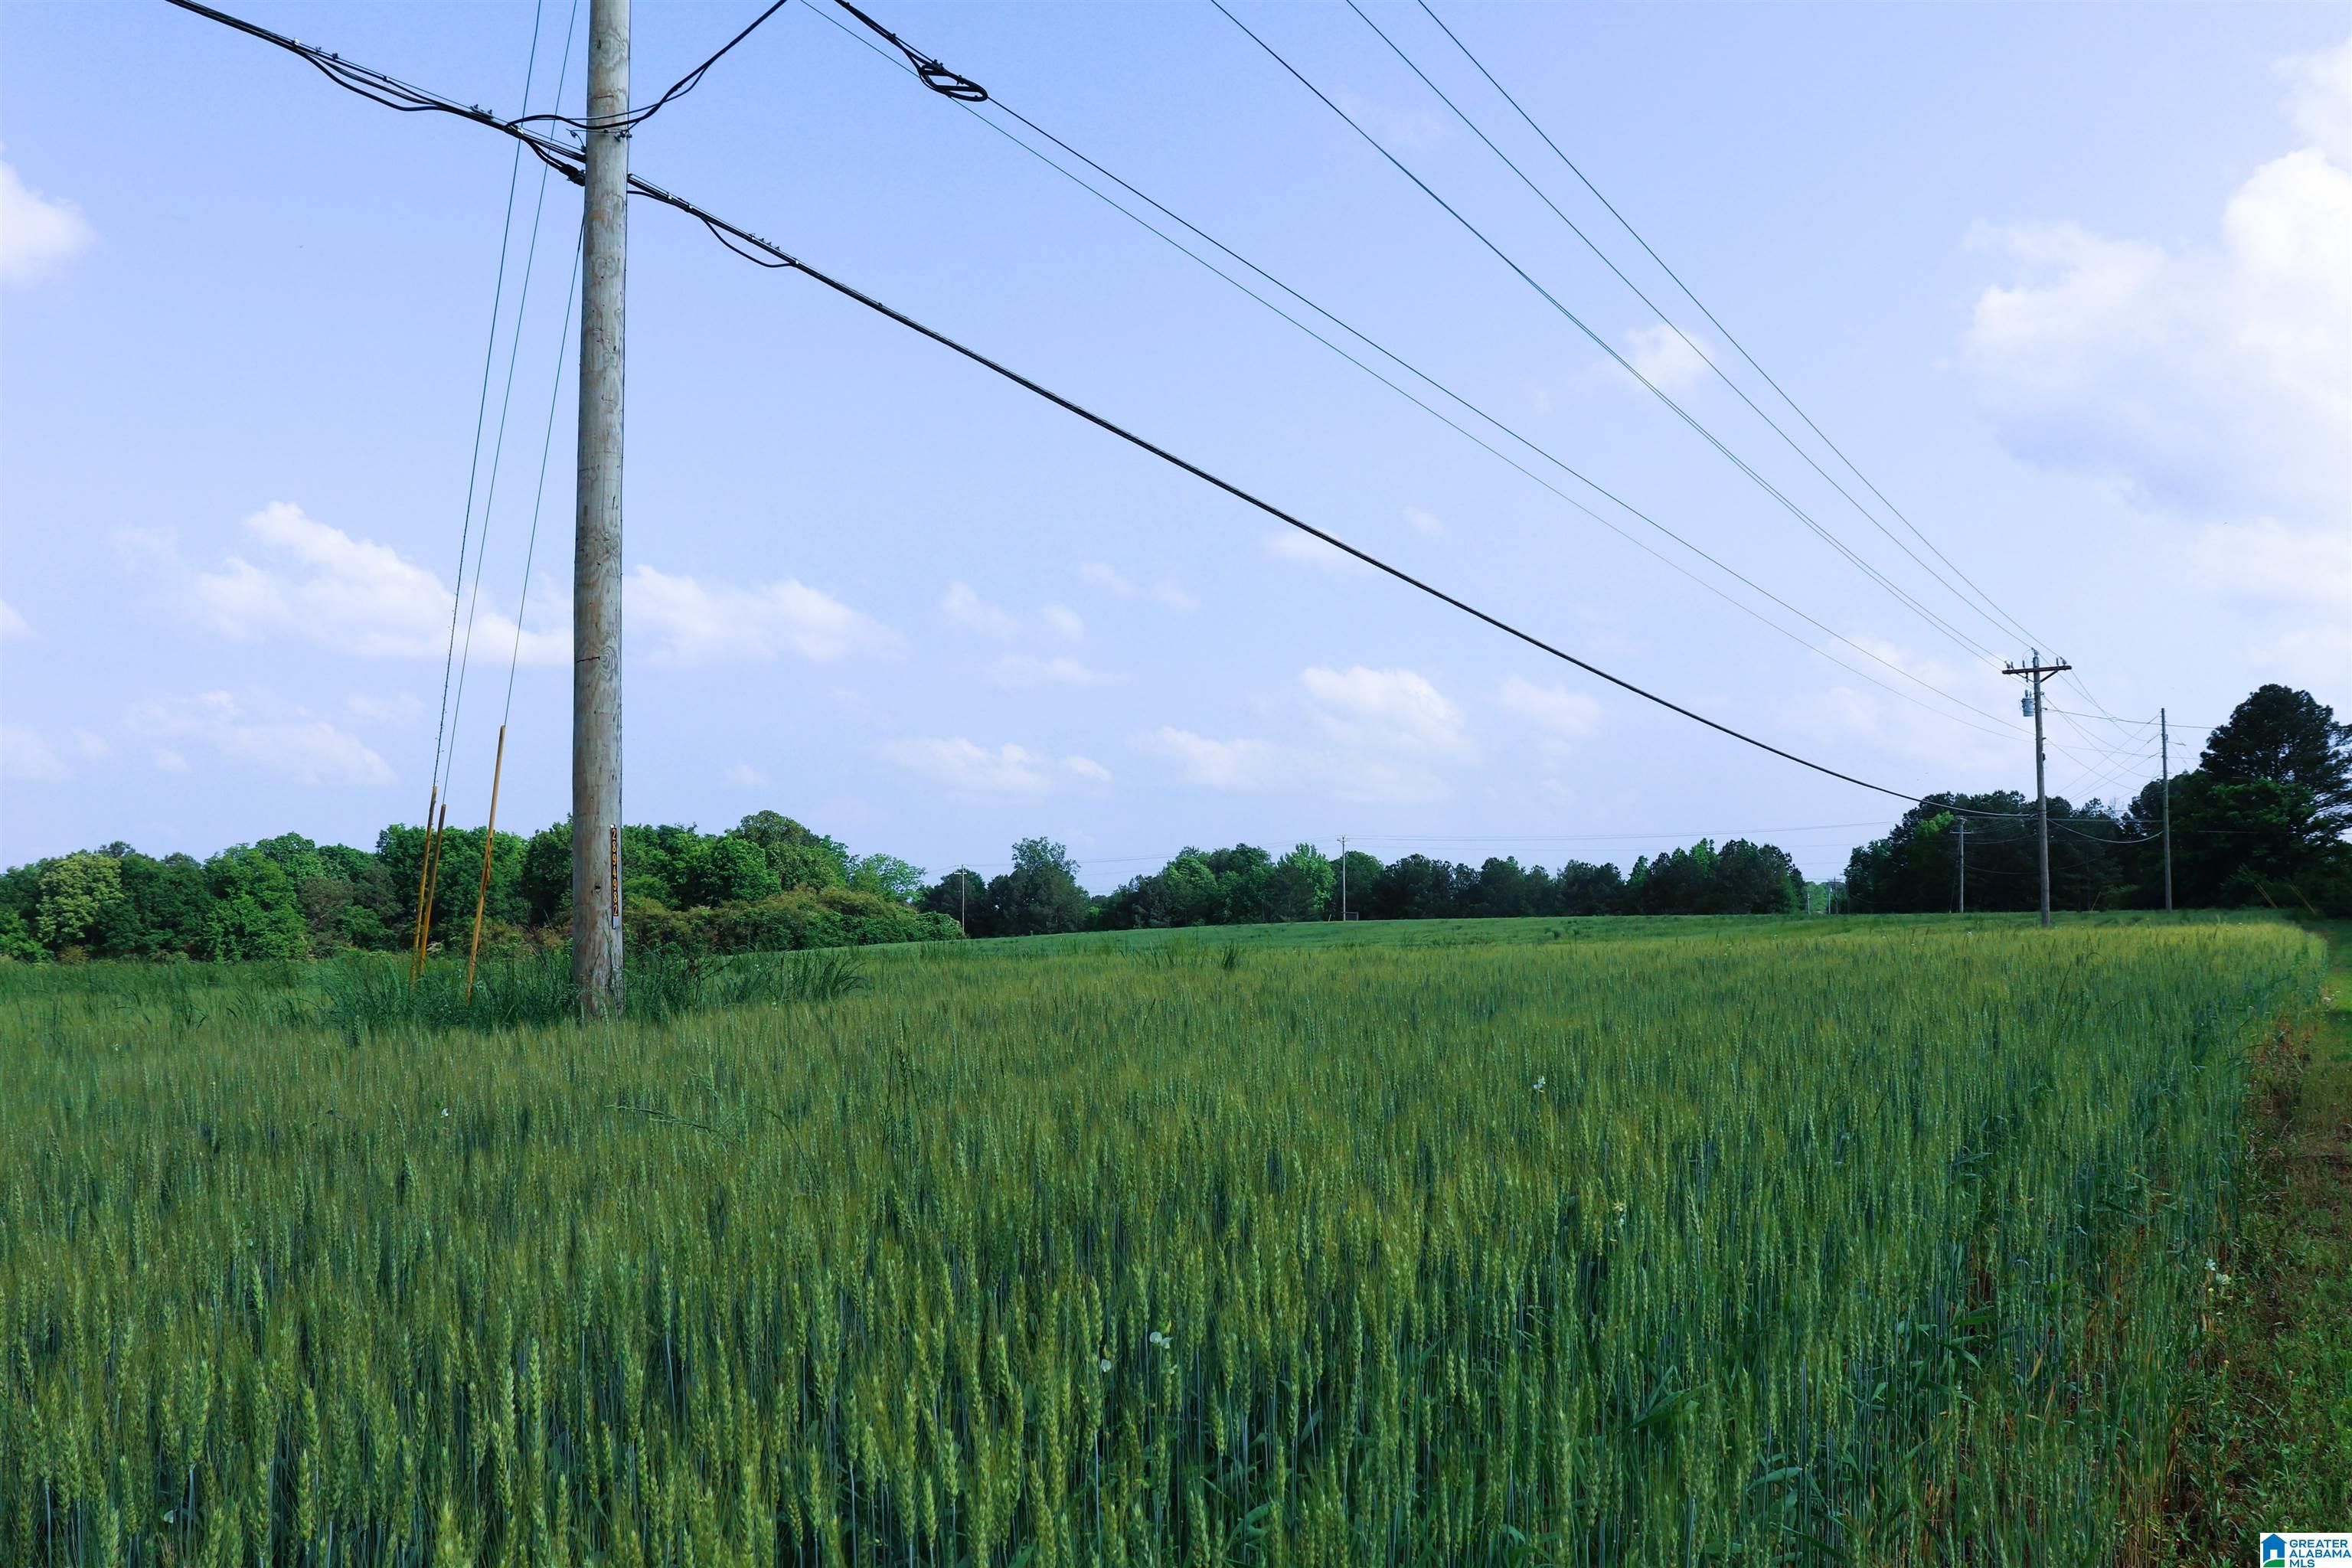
423	867
489	837
596	540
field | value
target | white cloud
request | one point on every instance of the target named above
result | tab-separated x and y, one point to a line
2215	380
965	768
1660	353
1360	734
13	625
1112	581
2267	565
1402	130
320	586
1421	522
1021	670
400	708
265	734
1305	550
1064	622
969	610
169	761
1558	714
743	775
26	757
37	234
700	624
92	746
1107	578
1216	764
1384	710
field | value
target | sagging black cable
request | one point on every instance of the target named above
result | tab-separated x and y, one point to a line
736	237
937	77
633	118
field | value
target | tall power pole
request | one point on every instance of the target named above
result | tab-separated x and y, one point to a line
1343	879
596	539
1964	865
2164	754
2034	670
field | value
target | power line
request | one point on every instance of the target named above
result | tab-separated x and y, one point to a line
481	414
736	239
1961	639
505	402
1737	391
1740	348
677	89
1448	392
2014	624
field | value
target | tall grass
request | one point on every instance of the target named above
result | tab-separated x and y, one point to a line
1858	1249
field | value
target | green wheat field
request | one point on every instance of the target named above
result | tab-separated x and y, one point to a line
1575	1242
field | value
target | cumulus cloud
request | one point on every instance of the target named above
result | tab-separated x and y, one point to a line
29	758
1662	354
1244	763
1556	714
1064	621
1365	734
308	581
970	611
743	775
1020	670
39	234
964	767
1107	577
259	731
13	625
305	581
400	708
2213	380
1305	550
1117	584
1421	522
169	761
698	623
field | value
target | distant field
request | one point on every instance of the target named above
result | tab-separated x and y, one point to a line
1589	927
1594	1242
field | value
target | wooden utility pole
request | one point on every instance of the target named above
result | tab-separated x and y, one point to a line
596	539
1343	879
2033	670
2164	755
1964	865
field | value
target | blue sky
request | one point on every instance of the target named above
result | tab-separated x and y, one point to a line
2072	285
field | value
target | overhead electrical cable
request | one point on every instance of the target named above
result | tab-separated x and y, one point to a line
761	252
1959	638
631	119
1474	409
481	414
1603	257
506	399
1626	223
2074	677
539	494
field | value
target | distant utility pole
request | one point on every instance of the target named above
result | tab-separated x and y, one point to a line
596	539
962	877
1964	865
1343	879
2033	670
2164	754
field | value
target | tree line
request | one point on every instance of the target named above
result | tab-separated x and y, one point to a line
2259	820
